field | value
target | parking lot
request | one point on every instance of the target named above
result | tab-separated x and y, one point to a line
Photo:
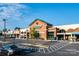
49	48
71	49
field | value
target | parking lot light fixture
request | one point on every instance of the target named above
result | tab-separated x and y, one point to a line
4	30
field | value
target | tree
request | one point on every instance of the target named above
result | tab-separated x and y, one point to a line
62	31
17	28
5	30
34	33
0	33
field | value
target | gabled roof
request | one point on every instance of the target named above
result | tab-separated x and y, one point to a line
41	21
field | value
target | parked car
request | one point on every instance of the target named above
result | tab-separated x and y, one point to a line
1	38
7	49
14	50
26	51
3	52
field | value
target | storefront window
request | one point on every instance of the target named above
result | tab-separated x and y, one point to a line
50	35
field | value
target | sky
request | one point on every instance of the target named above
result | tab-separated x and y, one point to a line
22	14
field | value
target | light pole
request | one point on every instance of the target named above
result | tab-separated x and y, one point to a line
4	30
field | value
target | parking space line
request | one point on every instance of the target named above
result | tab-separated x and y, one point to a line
51	49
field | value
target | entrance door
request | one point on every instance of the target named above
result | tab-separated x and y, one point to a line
27	35
50	35
60	37
77	37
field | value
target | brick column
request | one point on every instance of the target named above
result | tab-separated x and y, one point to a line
55	33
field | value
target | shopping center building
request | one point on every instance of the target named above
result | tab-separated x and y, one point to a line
47	31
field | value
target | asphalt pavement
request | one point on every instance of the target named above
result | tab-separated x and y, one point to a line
55	48
71	49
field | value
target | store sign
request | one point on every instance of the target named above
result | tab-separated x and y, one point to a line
37	26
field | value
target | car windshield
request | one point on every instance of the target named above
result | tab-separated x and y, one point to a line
13	46
6	47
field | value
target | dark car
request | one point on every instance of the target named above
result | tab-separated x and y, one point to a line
8	49
3	52
14	50
24	51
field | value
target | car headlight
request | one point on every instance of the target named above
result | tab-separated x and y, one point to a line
10	51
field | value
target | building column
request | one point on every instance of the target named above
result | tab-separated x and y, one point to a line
26	35
46	34
64	37
71	38
55	34
29	35
19	36
74	38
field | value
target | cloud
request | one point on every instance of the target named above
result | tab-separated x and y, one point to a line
12	11
1	23
15	13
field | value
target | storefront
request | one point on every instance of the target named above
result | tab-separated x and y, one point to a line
40	29
46	31
73	36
